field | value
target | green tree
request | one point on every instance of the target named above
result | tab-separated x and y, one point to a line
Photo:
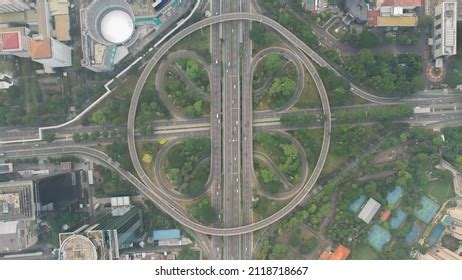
368	39
273	62
174	175
278	252
49	136
76	138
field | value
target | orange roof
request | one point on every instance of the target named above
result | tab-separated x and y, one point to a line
40	48
340	253
325	255
385	215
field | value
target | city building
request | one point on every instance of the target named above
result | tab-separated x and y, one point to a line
15	41
455	226
357	9
51	53
445	30
17	216
59	10
58	191
111	30
10	6
394	13
439	253
102	239
340	253
39	45
169	237
369	210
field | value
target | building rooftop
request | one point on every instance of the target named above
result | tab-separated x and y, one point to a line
391	21
340	253
62	27
166	234
117	26
78	247
40	48
385	215
369	210
11	41
17	201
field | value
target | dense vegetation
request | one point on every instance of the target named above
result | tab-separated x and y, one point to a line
452	151
195	72
282	153
261	37
387	74
184	168
118	151
111	184
204	212
183	97
299	119
267	178
390	113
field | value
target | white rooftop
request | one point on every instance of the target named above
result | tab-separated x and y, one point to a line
117	26
369	210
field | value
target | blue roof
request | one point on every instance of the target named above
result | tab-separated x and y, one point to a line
394	196
356	205
412	235
436	234
166	234
397	219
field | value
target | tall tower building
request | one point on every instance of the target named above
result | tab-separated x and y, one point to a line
445	30
11	6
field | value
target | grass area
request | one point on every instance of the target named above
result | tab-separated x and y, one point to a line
310	95
311	140
198	41
265	207
262	38
181	165
441	190
148	152
363	252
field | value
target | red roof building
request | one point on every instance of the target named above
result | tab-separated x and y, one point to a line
340	253
385	215
11	41
372	17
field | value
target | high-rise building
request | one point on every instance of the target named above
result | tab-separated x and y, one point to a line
17	216
103	239
445	30
11	6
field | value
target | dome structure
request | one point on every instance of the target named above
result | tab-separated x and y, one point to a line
117	26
